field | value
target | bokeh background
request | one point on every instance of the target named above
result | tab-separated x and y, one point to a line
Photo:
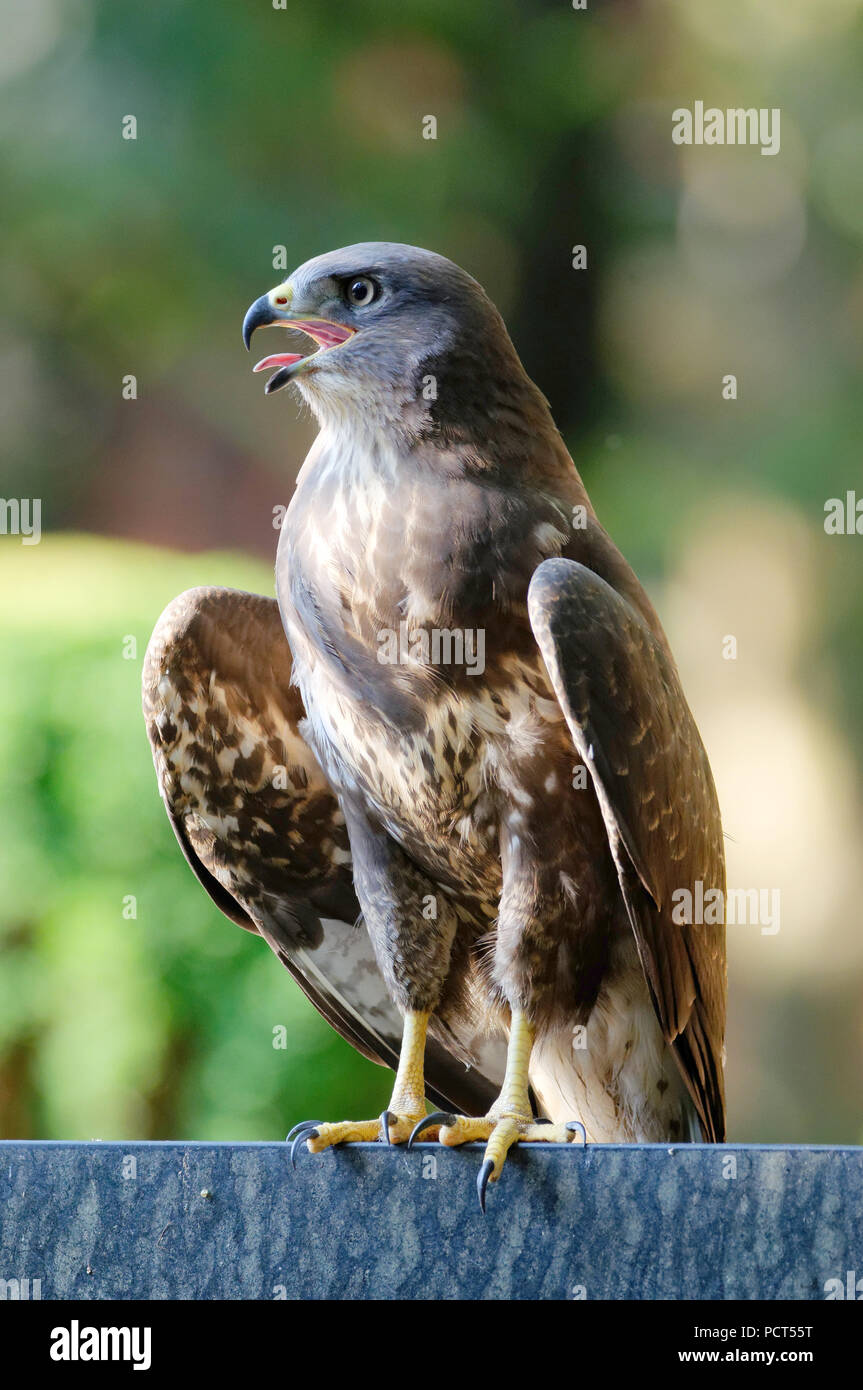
302	128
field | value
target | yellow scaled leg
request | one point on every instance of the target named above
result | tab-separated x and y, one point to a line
510	1119
406	1108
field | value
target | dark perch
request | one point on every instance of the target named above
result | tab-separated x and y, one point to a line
611	1221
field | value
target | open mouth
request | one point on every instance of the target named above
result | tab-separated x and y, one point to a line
327	335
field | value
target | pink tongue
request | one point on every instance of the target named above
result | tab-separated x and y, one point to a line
278	359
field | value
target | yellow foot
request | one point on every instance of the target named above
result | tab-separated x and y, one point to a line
389	1129
500	1132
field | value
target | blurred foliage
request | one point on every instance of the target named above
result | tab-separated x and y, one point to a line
161	1025
259	128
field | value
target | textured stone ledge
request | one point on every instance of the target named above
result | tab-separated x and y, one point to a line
106	1221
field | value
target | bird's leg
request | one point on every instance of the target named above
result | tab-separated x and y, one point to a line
413	954
406	1107
510	1120
408	1101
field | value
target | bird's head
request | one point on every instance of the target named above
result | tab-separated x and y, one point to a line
403	335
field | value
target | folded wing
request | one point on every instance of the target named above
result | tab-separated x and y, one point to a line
621	696
260	827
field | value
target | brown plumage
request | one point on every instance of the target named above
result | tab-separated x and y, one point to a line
459	508
490	718
260	827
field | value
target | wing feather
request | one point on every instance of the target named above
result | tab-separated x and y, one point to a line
620	693
261	828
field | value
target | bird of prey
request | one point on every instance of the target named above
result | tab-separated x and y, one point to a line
492	718
491	697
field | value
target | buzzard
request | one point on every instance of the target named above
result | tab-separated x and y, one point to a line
495	744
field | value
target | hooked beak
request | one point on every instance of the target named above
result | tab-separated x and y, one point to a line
274	309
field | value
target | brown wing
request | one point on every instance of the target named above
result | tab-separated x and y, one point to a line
620	693
261	828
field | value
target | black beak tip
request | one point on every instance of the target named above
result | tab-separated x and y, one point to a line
258	316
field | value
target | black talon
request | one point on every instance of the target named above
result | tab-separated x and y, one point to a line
304	1134
385	1125
485	1173
573	1126
304	1124
541	1120
437	1117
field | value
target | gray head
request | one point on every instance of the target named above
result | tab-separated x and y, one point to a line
405	336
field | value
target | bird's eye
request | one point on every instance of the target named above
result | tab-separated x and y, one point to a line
361	291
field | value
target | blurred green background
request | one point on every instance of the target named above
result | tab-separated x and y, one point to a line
260	128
